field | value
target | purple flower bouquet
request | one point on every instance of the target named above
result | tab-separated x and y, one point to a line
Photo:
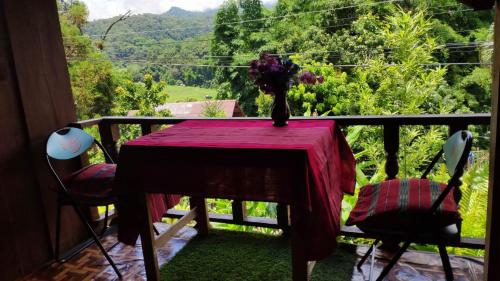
275	76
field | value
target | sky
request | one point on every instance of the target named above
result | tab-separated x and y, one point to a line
101	9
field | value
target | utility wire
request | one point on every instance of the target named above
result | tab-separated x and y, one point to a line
264	18
275	17
440	64
454	47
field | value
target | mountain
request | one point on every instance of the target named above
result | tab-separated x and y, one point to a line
175	24
181	13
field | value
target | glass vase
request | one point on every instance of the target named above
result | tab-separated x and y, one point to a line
280	110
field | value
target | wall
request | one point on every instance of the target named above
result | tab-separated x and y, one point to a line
35	99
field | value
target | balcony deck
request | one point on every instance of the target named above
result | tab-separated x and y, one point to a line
91	265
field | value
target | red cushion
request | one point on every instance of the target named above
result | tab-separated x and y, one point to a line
399	204
92	182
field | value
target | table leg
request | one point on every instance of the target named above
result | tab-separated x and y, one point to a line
202	223
300	265
147	240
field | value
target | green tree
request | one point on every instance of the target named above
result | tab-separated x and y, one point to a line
90	72
78	14
251	24
224	45
141	98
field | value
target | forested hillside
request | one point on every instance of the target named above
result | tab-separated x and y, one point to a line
175	24
149	43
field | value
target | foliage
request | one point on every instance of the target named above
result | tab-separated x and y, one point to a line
213	109
144	97
141	99
127	45
375	59
228	38
188	94
91	79
264	104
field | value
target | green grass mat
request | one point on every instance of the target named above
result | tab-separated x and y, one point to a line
228	255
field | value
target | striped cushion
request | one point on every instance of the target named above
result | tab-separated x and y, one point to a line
92	182
398	204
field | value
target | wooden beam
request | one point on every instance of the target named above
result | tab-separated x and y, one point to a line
164	237
492	257
300	265
372	120
36	101
228	218
283	217
147	238
110	134
239	210
202	223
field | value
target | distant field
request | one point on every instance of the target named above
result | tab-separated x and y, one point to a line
182	93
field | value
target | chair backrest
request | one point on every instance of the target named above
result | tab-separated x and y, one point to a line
68	143
456	151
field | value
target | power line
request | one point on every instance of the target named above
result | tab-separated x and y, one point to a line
210	39
276	17
453	12
440	64
258	19
252	20
455	47
260	29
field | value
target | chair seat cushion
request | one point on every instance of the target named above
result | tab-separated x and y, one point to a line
93	182
401	205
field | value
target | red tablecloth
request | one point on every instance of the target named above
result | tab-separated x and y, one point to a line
307	164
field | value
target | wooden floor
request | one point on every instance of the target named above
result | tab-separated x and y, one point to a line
90	264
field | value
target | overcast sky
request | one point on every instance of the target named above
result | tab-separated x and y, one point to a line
100	9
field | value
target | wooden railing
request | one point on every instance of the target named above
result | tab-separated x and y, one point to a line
110	134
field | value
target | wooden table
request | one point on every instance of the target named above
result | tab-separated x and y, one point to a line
240	160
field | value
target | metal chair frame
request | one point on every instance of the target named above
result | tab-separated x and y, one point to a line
408	238
65	198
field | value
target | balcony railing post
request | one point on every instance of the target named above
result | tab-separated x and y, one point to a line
202	223
283	217
455	127
391	146
239	211
110	133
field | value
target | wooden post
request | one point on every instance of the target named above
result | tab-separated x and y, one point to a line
110	133
148	239
147	129
35	99
202	223
391	146
492	257
283	218
300	265
455	127
239	211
